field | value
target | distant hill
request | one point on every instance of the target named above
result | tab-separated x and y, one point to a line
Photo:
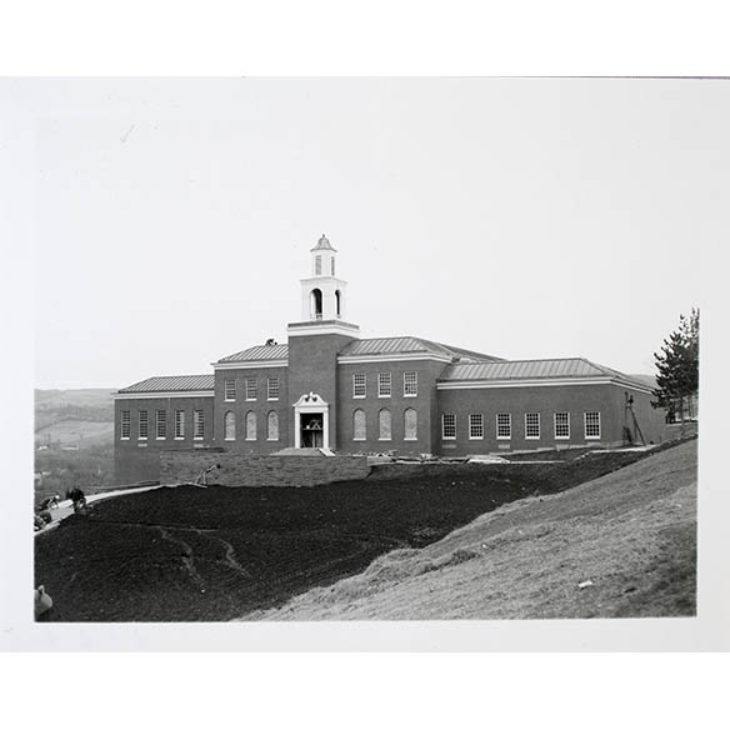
72	416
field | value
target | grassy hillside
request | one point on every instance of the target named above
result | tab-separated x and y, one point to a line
621	545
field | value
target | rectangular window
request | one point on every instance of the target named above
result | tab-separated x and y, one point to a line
532	425
198	425
448	426
562	426
476	426
179	424
143	423
318	266
410	384
161	424
230	389
272	388
384	385
126	424
593	424
358	385
250	388
504	425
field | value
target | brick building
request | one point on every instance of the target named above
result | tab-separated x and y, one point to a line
327	388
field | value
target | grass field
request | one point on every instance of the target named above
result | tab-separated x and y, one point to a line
194	554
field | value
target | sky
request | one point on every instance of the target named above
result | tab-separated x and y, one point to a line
523	218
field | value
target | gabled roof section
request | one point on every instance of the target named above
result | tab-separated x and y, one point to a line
169	383
574	367
258	353
408	346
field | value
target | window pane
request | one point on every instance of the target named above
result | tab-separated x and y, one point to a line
532	425
562	425
161	424
273	388
230	426
250	426
250	388
448	426
384	385
358	385
358	425
273	426
125	424
198	425
411	425
230	389
504	425
179	424
593	424
476	426
410	383
384	425
143	424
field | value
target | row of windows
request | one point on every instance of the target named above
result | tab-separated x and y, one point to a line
561	425
161	424
385	425
385	385
250	388
251	426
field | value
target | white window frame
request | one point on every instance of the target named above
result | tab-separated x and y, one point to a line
476	421
198	424
229	386
255	426
140	437
269	437
385	412
160	422
251	386
585	425
226	437
532	438
502	437
356	384
406	437
406	384
444	416
364	437
274	379
179	424
561	437
382	381
125	424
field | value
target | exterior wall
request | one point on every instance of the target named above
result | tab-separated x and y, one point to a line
424	405
545	400
313	368
262	406
137	459
263	471
651	420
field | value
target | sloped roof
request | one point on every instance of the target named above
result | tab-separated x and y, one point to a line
574	367
171	383
408	345
323	243
259	352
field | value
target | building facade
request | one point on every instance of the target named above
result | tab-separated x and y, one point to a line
329	389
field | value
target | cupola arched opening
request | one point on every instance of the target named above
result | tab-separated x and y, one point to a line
316	303
338	302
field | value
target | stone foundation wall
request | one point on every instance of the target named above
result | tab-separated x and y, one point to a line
262	471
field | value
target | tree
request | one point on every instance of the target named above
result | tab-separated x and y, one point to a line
678	368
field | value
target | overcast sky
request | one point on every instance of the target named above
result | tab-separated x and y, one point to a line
524	218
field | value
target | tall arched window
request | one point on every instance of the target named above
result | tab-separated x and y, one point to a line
316	303
338	302
410	418
384	425
273	426
250	426
230	426
358	425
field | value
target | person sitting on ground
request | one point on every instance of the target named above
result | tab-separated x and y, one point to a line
78	499
50	502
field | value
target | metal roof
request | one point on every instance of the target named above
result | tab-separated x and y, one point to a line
323	243
407	345
259	352
575	367
171	383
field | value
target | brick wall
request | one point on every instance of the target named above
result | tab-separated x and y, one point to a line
262	471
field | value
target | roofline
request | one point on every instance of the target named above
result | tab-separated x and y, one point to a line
249	364
392	357
540	382
163	394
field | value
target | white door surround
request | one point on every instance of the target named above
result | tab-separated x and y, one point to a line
311	403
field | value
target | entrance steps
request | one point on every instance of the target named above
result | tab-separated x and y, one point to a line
291	451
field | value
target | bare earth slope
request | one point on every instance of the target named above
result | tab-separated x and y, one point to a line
621	545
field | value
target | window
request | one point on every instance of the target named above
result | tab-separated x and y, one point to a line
593	424
384	383
358	385
161	424
179	424
272	426
272	385
198	424
143	423
562	426
476	426
332	266
384	425
358	425
229	387
410	384
318	266
250	426
448	426
410	418
338	303
504	425
125	424
229	426
532	425
250	388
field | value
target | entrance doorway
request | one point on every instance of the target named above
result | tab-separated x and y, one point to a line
312	430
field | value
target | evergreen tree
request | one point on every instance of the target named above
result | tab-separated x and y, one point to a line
678	367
